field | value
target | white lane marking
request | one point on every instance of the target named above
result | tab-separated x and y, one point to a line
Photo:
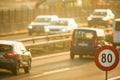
114	78
47	56
47	73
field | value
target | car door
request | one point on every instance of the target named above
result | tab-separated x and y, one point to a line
24	53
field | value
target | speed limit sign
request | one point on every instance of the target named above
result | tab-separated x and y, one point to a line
106	58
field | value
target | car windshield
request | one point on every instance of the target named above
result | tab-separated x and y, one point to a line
100	13
4	48
117	27
84	34
42	20
60	23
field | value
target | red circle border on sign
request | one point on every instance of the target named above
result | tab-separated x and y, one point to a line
116	58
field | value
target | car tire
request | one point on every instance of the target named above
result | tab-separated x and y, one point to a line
16	69
72	55
28	67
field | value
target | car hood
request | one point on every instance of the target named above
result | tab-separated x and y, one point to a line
35	23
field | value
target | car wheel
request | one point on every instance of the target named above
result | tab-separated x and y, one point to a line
28	67
72	55
16	69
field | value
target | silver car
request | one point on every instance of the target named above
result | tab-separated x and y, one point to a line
61	25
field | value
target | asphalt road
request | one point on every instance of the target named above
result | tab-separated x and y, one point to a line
60	67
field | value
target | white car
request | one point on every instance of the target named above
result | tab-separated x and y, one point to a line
116	33
102	17
37	26
61	25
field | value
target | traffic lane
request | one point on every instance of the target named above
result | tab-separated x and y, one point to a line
55	66
49	63
87	71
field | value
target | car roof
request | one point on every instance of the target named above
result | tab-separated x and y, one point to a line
46	16
117	19
102	10
7	42
95	29
65	19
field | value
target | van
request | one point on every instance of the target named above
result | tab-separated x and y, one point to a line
85	41
116	33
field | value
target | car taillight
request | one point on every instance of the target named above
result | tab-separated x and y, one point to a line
112	34
95	44
71	42
10	54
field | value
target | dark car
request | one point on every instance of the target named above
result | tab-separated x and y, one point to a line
85	41
13	56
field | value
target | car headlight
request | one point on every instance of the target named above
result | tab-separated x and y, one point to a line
105	19
89	18
63	30
46	29
30	27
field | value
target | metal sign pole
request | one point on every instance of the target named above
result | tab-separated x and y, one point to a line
106	75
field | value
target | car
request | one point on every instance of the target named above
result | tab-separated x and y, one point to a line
101	17
14	56
61	25
37	26
116	33
85	41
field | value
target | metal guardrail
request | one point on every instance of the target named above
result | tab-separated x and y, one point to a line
46	38
53	38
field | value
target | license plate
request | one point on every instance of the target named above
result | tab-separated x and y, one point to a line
83	44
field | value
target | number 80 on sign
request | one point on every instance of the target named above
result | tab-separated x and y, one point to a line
106	58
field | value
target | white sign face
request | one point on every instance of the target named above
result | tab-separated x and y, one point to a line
106	58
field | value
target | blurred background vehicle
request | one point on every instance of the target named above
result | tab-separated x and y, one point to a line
116	33
37	26
102	17
85	41
61	25
13	56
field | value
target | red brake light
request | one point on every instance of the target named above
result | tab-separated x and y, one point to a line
10	54
112	34
71	42
96	42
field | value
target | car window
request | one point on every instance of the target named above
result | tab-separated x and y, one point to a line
87	35
100	13
4	48
117	25
42	20
60	22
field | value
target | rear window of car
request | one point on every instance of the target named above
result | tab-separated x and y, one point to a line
84	34
117	25
4	48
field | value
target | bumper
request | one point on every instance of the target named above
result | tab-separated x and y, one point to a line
83	51
7	65
99	22
35	30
